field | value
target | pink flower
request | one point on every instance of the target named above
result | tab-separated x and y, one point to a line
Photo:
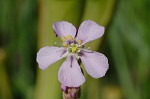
70	74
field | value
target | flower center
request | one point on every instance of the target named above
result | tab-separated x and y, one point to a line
71	45
73	48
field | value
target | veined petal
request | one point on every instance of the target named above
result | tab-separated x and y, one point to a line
70	74
64	28
89	31
48	55
96	64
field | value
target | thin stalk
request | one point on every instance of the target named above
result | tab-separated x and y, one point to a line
72	93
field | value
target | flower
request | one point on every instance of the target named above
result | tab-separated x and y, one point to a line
70	74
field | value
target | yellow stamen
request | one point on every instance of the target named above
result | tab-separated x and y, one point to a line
64	45
69	37
79	42
63	38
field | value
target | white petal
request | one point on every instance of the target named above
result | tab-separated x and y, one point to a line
96	64
89	31
48	55
64	28
70	73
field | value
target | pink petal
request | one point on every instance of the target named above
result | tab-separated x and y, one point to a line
96	64
64	28
70	74
64	88
48	55
89	31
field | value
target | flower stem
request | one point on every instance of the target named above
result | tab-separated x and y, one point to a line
72	93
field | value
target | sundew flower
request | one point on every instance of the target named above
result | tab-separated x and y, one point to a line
73	40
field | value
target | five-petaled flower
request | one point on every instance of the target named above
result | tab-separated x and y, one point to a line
70	74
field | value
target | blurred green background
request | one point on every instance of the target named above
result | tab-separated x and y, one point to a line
26	26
